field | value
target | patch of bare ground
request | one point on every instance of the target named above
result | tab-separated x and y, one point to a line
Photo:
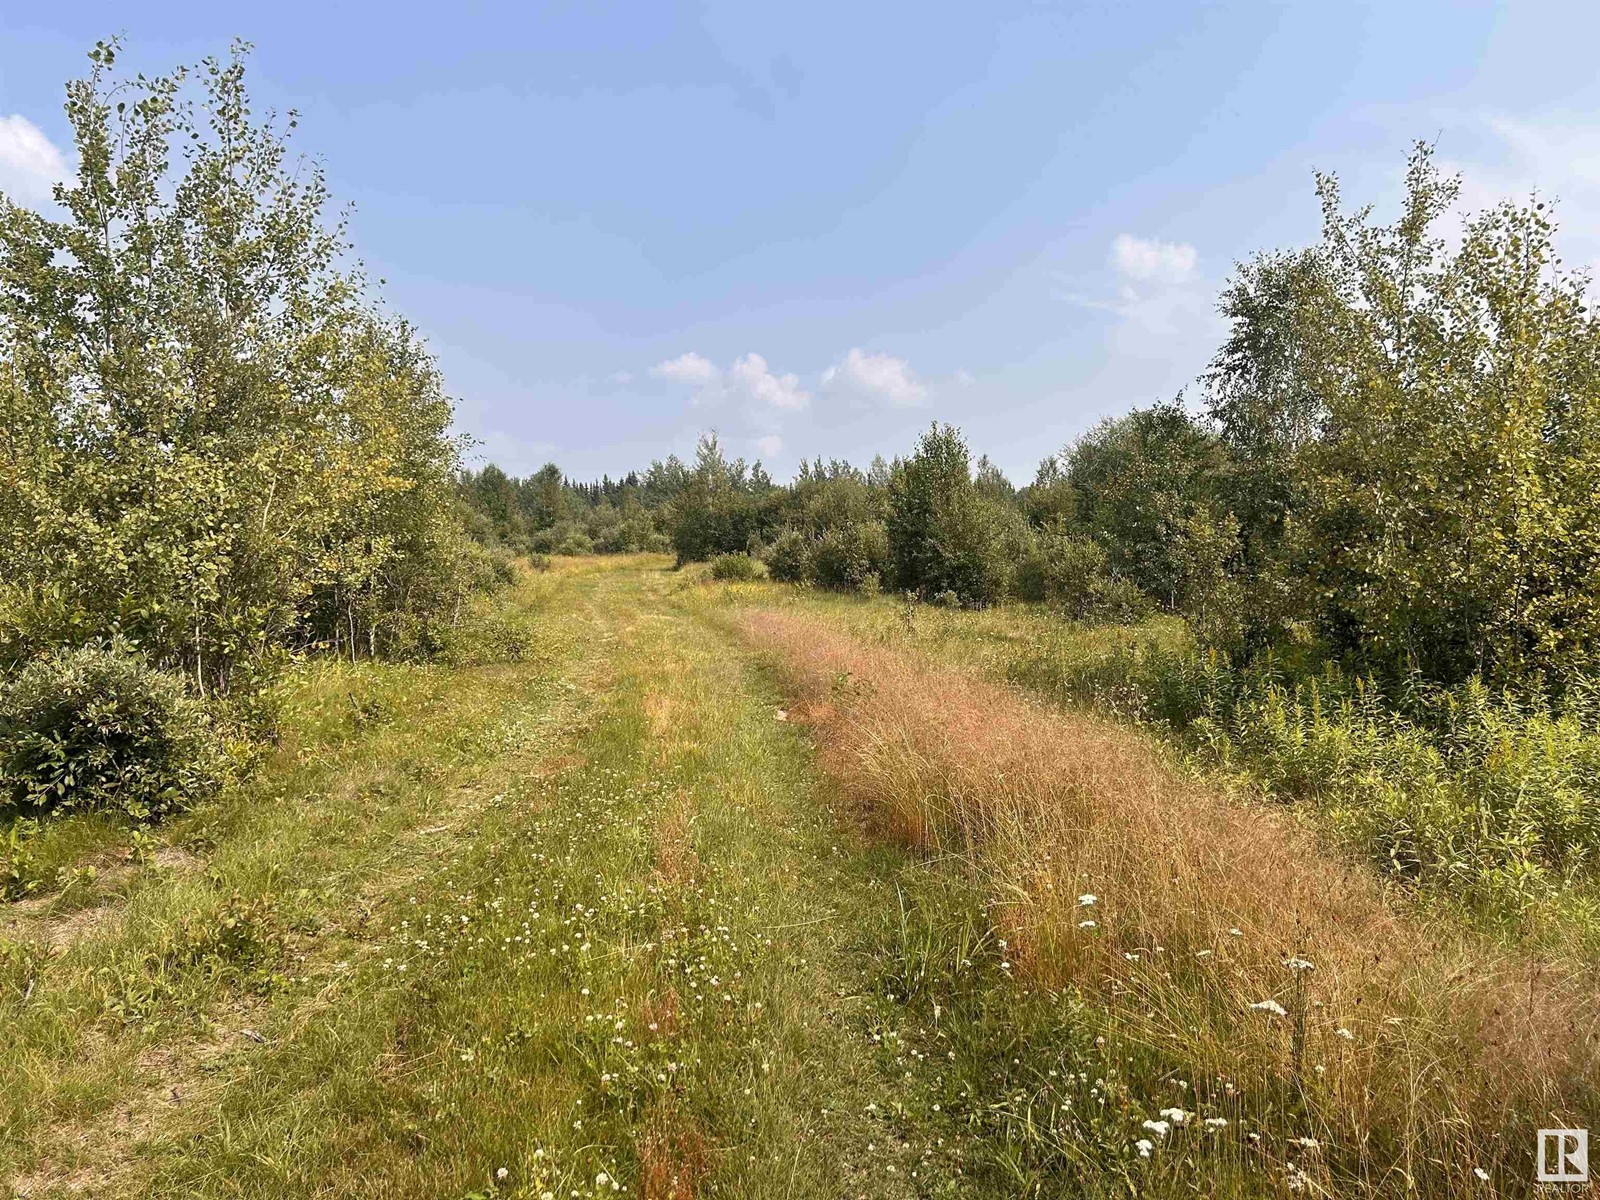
1219	933
61	920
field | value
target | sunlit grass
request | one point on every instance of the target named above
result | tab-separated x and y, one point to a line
1347	1044
649	912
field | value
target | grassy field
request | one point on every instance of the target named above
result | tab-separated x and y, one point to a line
743	891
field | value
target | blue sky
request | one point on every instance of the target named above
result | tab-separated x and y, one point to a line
818	227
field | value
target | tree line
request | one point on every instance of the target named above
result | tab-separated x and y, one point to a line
1393	459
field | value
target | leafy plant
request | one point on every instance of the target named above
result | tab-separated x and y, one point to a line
789	557
212	440
735	567
97	728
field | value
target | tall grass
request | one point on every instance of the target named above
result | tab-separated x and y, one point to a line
1352	1048
1490	798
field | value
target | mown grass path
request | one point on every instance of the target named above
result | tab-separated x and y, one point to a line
582	925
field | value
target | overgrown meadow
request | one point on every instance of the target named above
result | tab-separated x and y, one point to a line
1217	814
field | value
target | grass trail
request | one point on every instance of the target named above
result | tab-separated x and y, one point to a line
583	925
604	922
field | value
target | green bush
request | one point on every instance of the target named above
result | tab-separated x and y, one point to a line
789	557
1481	795
845	555
734	567
98	728
1070	572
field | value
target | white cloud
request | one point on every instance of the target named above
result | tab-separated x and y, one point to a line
876	376
770	445
749	375
29	162
748	378
1164	324
1146	260
688	368
622	377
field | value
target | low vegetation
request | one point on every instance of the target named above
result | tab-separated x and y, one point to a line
1282	1018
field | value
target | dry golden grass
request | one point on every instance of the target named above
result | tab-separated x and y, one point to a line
676	862
1411	1053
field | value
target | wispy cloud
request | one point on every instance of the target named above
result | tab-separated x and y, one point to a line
749	375
29	162
769	446
1147	260
1165	325
880	377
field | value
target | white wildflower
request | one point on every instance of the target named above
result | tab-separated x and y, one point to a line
501	1173
1087	925
1216	1122
1345	1034
1159	1128
1300	964
1145	1145
1270	1006
1481	1173
1176	1115
1088	899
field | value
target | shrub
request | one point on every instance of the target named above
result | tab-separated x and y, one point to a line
1069	571
564	537
1117	599
734	567
845	555
789	557
98	728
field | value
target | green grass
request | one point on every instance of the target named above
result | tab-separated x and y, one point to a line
1482	807
589	915
590	922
